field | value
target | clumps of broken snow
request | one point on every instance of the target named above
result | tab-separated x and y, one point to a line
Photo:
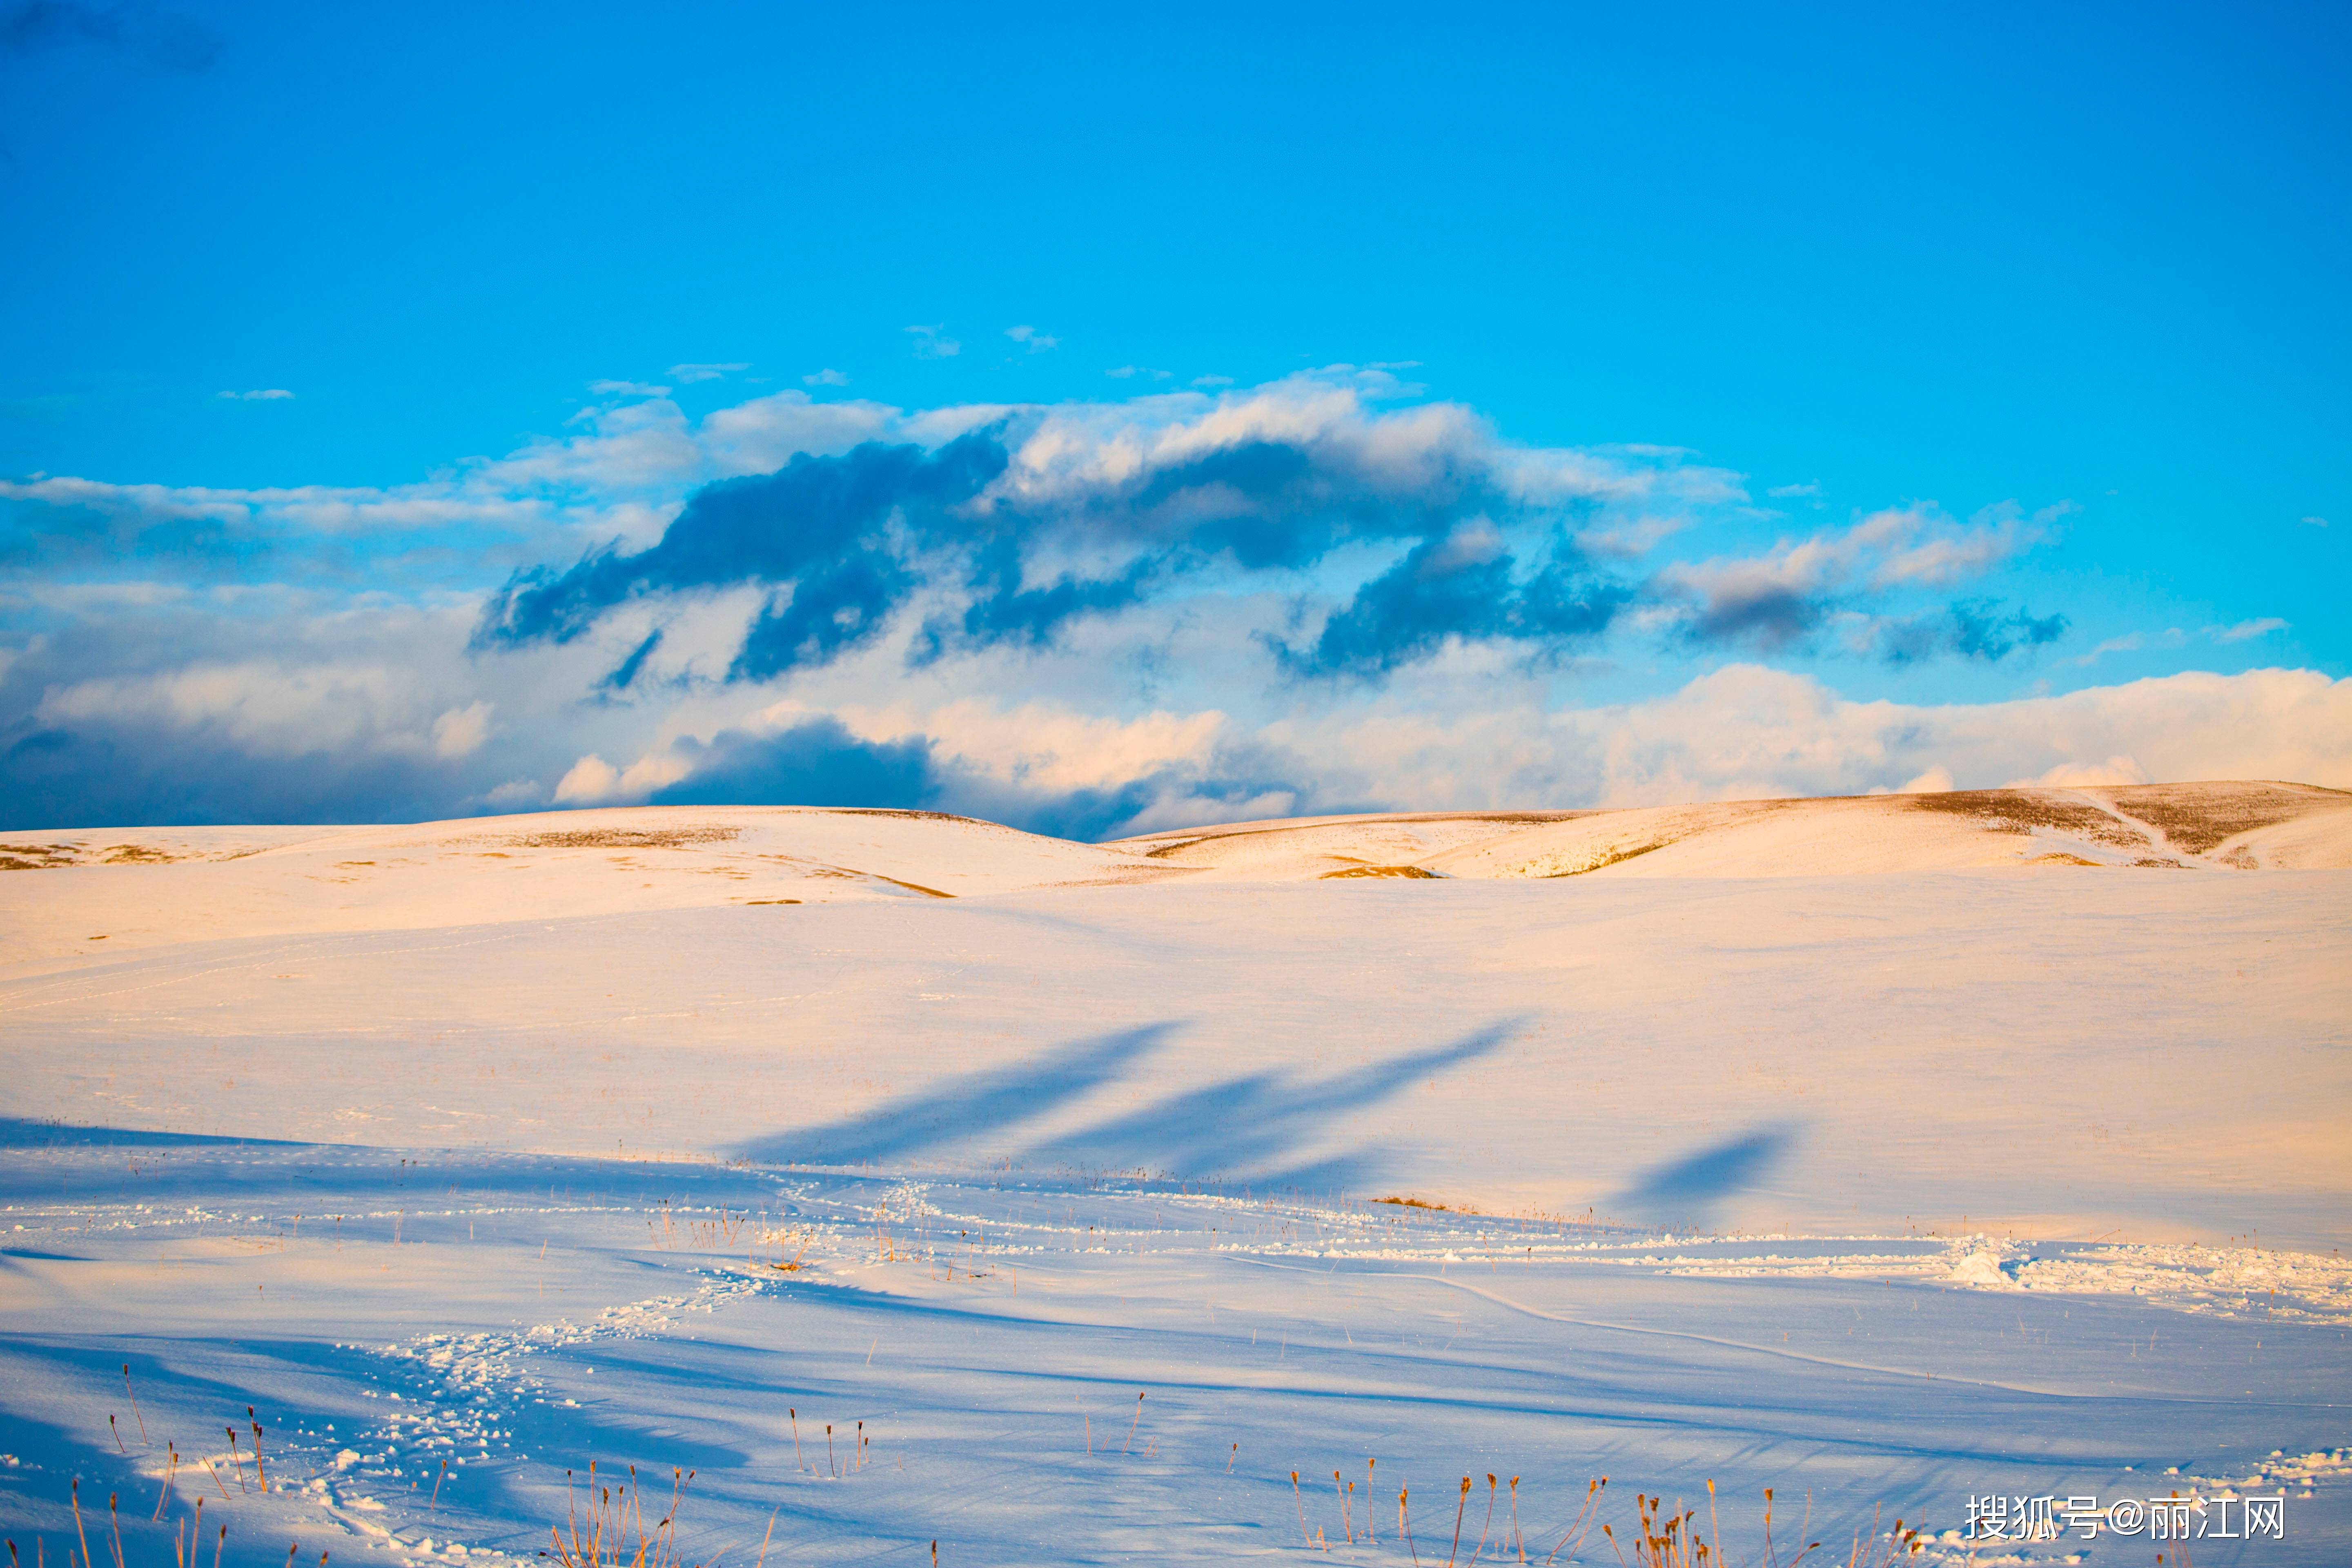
2234	1281
2228	1281
463	1393
2281	1472
1981	1266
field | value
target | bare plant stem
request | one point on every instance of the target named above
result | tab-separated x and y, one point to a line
1490	1520
134	1402
165	1495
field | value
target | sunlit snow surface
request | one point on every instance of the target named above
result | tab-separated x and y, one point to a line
535	1314
1887	1155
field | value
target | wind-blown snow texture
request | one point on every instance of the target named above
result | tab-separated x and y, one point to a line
1990	1170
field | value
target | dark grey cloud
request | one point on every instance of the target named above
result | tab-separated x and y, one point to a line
1004	611
1275	504
1968	629
1433	594
60	538
129	776
624	674
819	523
1764	615
819	762
844	542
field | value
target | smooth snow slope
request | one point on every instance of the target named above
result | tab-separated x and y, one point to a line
2244	826
2029	1043
141	885
465	1152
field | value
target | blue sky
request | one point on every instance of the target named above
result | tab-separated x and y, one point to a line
1513	407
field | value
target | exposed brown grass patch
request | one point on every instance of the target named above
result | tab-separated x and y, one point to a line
35	856
2021	811
2197	817
626	837
1606	859
1415	872
911	886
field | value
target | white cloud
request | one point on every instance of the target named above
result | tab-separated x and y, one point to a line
627	389
1030	338
266	708
1786	591
2316	521
1935	781
1041	745
2130	642
2119	770
2246	629
761	435
1631	540
460	732
824	378
931	345
1748	732
1213	381
1926	548
1786	492
1171	701
687	375
260	395
593	779
1130	372
1752	730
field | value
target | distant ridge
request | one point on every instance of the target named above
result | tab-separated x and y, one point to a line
105	889
2223	825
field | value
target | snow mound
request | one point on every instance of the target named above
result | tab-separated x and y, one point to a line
2233	826
1982	1268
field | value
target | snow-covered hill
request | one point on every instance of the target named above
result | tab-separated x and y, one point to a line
2240	825
1894	1151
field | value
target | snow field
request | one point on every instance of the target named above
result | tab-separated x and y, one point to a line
466	1154
986	1331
